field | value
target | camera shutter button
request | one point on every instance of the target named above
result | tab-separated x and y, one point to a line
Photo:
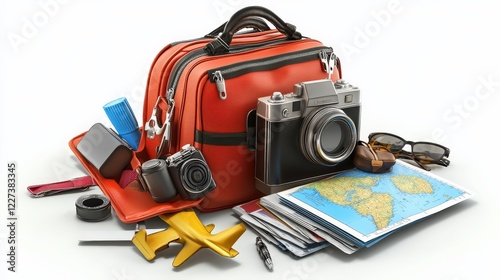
341	84
277	97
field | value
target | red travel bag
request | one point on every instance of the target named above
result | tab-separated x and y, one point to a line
201	92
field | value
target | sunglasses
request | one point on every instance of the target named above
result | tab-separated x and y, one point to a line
421	152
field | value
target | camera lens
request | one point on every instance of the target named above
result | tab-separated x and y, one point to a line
157	180
331	138
328	136
196	176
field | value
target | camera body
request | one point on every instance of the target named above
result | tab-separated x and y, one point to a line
184	173
190	173
306	135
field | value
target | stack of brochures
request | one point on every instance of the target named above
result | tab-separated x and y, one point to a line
351	210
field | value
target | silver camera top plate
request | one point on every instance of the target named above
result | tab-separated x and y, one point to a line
282	107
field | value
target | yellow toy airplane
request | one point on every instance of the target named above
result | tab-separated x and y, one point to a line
187	229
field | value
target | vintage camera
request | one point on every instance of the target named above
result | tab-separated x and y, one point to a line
305	135
185	173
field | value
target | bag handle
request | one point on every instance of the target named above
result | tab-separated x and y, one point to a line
255	23
221	44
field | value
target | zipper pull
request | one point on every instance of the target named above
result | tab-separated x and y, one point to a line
170	96
221	85
152	127
328	62
323	56
331	64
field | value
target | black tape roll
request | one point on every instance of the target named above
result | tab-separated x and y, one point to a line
93	208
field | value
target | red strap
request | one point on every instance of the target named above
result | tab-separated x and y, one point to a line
53	188
82	183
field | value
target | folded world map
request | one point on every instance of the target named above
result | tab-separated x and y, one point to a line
364	208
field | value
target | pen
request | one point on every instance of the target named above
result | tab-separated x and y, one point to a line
264	253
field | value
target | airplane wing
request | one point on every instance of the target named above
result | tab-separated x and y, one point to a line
223	241
186	252
180	220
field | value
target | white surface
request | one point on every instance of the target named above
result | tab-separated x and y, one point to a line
423	68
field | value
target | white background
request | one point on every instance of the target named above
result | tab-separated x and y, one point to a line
428	70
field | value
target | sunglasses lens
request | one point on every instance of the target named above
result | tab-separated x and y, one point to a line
388	142
428	151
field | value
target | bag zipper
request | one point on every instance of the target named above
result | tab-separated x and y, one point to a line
193	55
218	76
